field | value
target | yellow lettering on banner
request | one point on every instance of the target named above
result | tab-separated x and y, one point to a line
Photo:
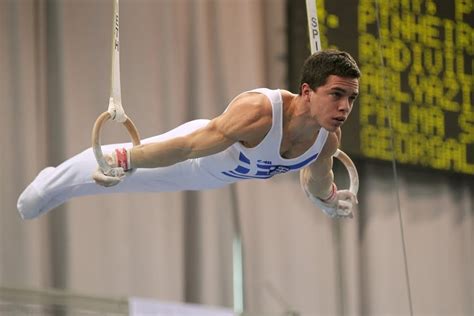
368	112
412	148
384	18
389	88
452	89
423	149
366	14
399	123
433	60
431	8
407	5
375	142
460	66
396	89
464	165
399	56
413	29
466	88
462	7
431	31
402	148
429	120
416	5
448	50
403	26
439	159
453	154
416	148
433	87
432	90
417	65
449	62
382	116
414	81
424	85
464	37
372	82
426	89
466	123
367	48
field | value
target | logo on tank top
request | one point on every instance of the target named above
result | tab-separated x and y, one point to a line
264	168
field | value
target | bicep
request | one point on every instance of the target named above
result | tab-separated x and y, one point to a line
208	140
247	119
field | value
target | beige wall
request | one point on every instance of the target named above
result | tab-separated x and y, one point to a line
182	60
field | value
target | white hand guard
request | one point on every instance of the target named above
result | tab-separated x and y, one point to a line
120	163
338	205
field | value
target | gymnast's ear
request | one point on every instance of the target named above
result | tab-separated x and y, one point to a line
305	91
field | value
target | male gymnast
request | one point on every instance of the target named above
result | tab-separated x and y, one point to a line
262	133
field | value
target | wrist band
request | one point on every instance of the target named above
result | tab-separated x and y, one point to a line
122	159
332	194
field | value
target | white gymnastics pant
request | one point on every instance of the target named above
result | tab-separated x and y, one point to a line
55	185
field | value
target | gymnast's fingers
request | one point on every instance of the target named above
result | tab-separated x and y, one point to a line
105	180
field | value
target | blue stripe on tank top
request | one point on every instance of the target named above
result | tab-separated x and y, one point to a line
243	158
240	172
241	169
232	174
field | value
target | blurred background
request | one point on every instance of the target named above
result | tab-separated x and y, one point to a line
186	59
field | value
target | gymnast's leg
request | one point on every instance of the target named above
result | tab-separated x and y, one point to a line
55	185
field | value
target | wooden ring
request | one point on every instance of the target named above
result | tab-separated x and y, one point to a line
96	145
351	169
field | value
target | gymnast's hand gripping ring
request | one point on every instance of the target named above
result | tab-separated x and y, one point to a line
96	146
351	169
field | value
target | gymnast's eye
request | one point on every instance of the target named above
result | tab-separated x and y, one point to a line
335	94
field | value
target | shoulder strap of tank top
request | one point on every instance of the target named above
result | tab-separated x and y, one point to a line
320	140
276	130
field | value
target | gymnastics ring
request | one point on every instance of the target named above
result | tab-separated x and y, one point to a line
96	146
351	169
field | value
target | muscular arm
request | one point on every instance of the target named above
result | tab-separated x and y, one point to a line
317	181
247	119
318	176
205	141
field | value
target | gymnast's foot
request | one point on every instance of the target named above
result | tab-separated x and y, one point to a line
30	203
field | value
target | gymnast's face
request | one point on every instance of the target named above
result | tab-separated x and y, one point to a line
331	104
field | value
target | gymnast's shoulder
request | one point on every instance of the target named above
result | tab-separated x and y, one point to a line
251	102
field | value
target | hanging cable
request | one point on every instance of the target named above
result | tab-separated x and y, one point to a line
394	163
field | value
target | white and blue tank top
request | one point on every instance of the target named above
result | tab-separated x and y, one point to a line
264	160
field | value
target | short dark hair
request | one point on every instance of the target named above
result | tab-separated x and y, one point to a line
320	65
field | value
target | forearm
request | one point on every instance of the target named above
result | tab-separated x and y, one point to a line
322	191
159	154
202	142
319	185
